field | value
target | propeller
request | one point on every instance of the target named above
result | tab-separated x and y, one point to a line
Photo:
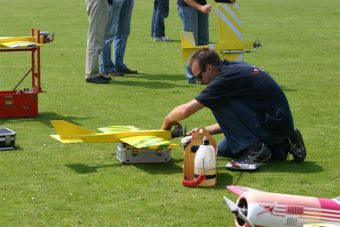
178	131
239	212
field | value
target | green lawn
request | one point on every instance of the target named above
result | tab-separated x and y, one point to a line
46	183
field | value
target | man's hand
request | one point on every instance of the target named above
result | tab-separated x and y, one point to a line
191	132
180	113
168	125
205	9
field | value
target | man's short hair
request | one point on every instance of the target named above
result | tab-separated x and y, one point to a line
204	57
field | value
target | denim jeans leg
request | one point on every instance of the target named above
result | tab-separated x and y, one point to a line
161	13
238	136
203	28
155	9
189	20
123	32
250	119
189	17
106	64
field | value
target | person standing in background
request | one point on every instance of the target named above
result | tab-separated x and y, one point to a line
98	12
195	18
160	12
118	33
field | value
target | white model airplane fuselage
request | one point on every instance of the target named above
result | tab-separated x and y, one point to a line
265	209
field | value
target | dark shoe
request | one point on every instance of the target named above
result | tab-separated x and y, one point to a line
257	152
127	71
98	80
116	73
105	76
297	146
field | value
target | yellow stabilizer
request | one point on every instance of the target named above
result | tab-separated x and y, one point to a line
69	132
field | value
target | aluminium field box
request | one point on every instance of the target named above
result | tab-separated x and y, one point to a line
7	139
128	154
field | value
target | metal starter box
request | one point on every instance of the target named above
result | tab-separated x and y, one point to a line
128	154
7	139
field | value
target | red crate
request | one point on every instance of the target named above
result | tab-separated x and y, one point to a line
18	104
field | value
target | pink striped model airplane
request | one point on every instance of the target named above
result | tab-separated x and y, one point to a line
264	209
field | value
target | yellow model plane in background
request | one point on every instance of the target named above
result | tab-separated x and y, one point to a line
19	42
230	41
25	42
141	139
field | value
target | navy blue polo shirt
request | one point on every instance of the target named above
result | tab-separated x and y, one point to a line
255	88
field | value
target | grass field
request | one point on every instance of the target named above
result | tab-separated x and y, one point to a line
46	183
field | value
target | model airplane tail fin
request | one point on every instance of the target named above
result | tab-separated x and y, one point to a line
230	32
68	132
229	23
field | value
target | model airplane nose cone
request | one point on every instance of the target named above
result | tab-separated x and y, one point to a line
239	212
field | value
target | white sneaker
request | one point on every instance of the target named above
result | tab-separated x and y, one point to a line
162	39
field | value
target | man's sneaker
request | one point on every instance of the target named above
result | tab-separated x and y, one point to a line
98	80
256	153
297	146
106	76
127	71
161	39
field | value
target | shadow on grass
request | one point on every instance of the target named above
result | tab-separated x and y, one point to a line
159	168
45	118
149	85
151	168
291	167
171	77
85	169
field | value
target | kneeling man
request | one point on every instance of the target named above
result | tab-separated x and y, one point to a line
250	108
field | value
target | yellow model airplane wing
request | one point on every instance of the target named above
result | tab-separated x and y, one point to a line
18	42
148	139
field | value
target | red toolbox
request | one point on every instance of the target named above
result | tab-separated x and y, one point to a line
18	103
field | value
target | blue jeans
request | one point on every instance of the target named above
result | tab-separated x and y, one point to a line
242	128
118	32
160	12
197	23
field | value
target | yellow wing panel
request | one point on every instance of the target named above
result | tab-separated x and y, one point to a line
118	128
148	142
18	42
114	137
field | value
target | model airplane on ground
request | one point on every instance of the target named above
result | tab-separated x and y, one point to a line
230	41
141	139
264	209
